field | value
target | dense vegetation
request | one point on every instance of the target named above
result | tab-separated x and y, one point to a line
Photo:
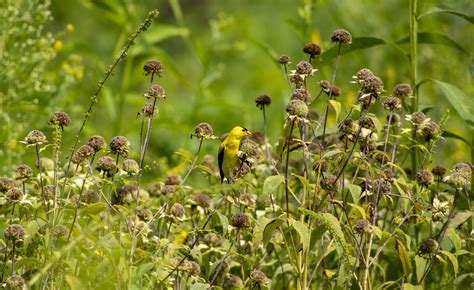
355	174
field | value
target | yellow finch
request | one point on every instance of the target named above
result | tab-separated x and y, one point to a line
229	152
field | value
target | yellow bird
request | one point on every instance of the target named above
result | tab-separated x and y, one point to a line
229	152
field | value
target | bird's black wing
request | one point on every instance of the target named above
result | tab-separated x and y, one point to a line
220	159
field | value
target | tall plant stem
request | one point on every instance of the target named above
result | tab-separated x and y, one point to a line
225	257
288	143
95	96
40	168
143	150
333	80
413	73
194	162
267	150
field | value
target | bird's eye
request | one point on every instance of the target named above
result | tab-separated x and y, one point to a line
244	129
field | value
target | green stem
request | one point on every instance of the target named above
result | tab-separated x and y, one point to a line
194	162
288	143
413	72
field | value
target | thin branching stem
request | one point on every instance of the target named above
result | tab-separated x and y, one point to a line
193	164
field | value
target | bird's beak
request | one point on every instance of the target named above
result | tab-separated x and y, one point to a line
248	133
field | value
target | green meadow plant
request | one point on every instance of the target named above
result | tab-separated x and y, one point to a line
344	198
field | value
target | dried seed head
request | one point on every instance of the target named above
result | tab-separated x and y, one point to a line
168	189
82	154
439	209
173	179
203	131
362	226
312	49
402	90
428	248
97	143
301	94
177	210
107	165
258	137
144	214
240	220
130	166
192	267
341	36
297	108
234	281
392	104
297	80
35	137
325	85
431	131
14	232
60	119
439	170
15	282
459	180
154	66
463	168
154	189
156	91
120	145
263	100
329	182
249	148
48	192
304	68
424	177
382	185
367	122
213	239
284	59
23	172
203	200
418	117
372	84
363	74
90	196
60	232
124	194
6	184
149	110
14	194
258	277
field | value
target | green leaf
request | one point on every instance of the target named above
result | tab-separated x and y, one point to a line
453	259
337	107
455	238
358	43
357	213
94	208
445	9
73	282
461	102
271	184
404	258
303	181
200	286
160	32
270	229
303	231
448	134
408	286
459	218
434	38
420	264
224	222
355	191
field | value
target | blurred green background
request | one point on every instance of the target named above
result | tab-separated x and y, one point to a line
218	56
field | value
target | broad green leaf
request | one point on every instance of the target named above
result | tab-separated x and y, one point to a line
73	282
355	191
206	169
303	231
143	268
455	238
160	32
94	208
337	107
434	38
459	218
420	264
260	225
453	259
303	180
271	183
270	229
461	102
358	43
224	222
282	269
357	213
200	286
408	286
452	135
404	258
445	9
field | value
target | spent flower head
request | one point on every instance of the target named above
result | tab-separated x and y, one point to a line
156	91
312	49
60	119
35	137
153	66
120	145
341	36
263	100
23	173
284	59
97	142
402	90
203	131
